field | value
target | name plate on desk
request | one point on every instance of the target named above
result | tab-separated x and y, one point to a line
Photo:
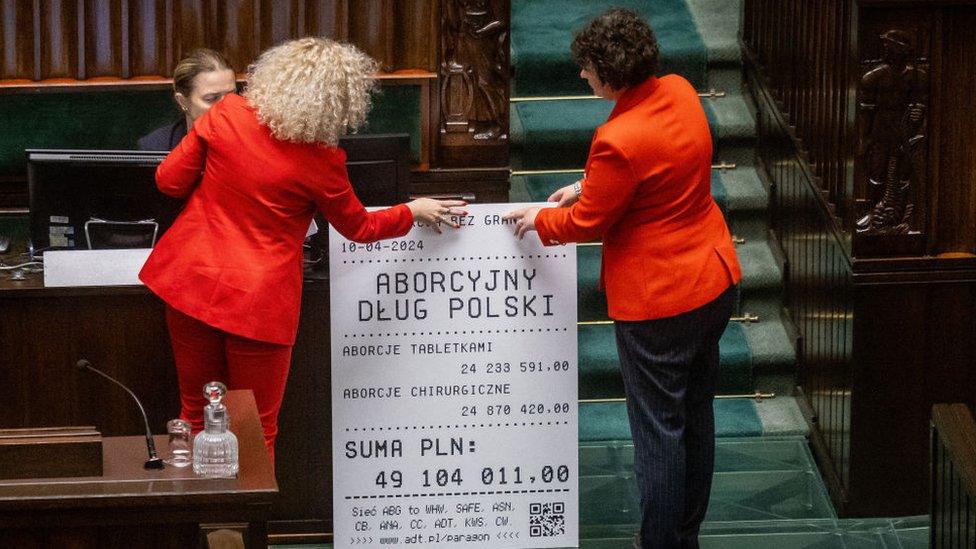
70	268
454	388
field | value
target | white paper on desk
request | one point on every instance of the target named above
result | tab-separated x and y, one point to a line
94	267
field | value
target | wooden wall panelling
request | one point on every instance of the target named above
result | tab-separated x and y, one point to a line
100	43
328	18
916	332
279	20
890	381
150	40
954	164
44	338
191	30
233	27
46	39
371	27
56	40
17	36
416	30
480	185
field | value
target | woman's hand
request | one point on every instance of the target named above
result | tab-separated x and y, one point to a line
524	219
565	196
434	212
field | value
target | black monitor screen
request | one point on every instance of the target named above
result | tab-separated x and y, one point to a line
112	192
379	167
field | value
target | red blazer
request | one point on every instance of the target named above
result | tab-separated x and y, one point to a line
233	257
646	193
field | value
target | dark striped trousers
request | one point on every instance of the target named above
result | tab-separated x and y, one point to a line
670	372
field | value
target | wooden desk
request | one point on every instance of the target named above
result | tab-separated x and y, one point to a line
122	330
131	507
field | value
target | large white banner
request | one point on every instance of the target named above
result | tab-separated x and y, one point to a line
454	388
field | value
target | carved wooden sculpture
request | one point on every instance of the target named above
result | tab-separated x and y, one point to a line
892	107
474	70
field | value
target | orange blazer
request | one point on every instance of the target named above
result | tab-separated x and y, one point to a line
233	257
646	193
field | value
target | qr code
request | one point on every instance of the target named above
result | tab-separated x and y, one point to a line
547	520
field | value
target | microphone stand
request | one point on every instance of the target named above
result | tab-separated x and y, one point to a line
154	462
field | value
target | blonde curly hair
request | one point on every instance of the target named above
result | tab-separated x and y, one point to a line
311	90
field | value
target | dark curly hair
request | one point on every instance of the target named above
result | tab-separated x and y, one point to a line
619	46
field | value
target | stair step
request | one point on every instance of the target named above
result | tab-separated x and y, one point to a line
541	38
603	423
788	453
731	118
761	272
607	421
744	190
746	204
739	496
557	133
721	19
599	366
773	355
756	479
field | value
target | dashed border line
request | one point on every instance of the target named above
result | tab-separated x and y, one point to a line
458	332
450	259
458	426
442	494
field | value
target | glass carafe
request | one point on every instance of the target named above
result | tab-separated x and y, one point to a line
215	448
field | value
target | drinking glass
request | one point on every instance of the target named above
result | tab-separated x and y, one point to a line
179	443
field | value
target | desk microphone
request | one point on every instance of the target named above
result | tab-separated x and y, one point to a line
153	462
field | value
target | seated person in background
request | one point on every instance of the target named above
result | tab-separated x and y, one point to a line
199	81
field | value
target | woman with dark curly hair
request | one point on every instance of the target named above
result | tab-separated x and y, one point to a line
669	266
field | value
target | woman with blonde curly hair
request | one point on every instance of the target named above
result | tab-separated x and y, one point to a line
253	171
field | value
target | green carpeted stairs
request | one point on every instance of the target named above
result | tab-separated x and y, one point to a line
767	491
552	123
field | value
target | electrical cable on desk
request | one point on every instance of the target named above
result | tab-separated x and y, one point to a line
36	254
20	265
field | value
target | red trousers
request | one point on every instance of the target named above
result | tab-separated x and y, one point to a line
203	353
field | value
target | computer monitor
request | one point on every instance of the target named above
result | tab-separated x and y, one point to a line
112	194
379	167
81	199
